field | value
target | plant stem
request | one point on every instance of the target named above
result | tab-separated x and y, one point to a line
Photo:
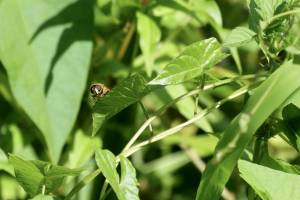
126	41
103	190
82	183
179	127
147	116
129	149
191	93
290	12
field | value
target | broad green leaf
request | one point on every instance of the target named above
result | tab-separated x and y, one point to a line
150	35
126	188
191	63
238	37
46	54
268	183
128	92
106	162
28	175
43	197
34	175
128	182
291	117
240	132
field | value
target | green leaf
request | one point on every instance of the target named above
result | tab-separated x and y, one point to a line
291	117
28	175
238	37
126	188
107	163
128	182
191	63
34	175
46	54
268	183
126	93
43	197
150	35
280	165
240	132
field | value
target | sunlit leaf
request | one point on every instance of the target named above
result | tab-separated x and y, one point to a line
268	183
191	63
129	91
128	182
46	54
238	37
236	137
150	35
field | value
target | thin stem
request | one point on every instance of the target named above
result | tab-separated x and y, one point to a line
103	190
179	127
126	41
290	12
128	150
191	93
147	116
82	183
202	84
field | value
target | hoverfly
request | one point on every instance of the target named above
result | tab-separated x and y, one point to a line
99	90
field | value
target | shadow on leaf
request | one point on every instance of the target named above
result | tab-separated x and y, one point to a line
80	17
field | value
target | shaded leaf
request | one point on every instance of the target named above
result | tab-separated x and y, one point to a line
34	175
28	175
47	62
238	37
150	35
126	93
291	118
268	183
191	63
236	137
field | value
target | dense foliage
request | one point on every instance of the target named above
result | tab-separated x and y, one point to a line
175	84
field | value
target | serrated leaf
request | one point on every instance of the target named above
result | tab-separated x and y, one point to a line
34	175
128	182
236	137
291	117
126	188
150	35
128	92
238	37
46	56
191	63
268	183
